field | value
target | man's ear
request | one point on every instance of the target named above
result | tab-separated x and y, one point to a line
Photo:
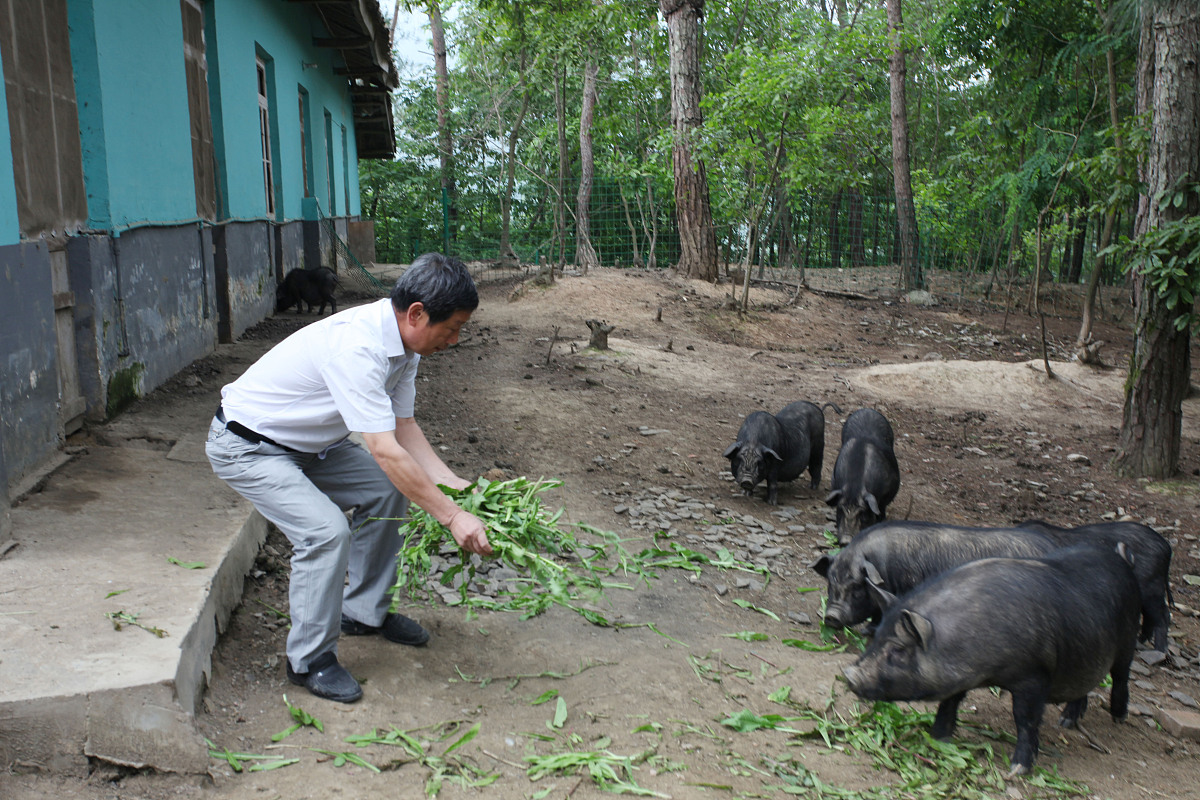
413	315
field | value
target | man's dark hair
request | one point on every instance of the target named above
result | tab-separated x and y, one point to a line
440	283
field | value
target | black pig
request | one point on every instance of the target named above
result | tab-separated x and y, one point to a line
900	555
1046	629
1151	566
308	286
866	476
778	447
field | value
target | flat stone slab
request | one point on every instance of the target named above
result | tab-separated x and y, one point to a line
94	541
1179	723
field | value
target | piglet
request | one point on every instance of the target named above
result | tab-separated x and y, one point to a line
866	476
778	447
309	287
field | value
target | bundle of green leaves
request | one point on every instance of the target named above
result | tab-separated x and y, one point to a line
552	565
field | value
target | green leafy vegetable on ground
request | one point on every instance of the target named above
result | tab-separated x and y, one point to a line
524	537
553	565
896	738
442	768
302	718
237	761
122	618
610	772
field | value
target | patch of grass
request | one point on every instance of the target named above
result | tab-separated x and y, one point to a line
1174	488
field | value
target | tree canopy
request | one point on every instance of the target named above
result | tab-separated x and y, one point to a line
1026	159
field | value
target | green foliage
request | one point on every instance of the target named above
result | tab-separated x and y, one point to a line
1168	254
796	120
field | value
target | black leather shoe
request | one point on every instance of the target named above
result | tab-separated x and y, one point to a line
328	679
395	628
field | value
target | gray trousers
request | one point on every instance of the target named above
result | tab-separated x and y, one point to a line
306	496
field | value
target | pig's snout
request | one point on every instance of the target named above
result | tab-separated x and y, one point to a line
833	617
746	483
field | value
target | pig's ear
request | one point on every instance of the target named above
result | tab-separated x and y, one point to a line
833	497
872	504
1125	553
769	452
883	598
731	451
916	628
821	566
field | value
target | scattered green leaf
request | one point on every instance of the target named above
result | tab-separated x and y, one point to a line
560	713
747	604
122	618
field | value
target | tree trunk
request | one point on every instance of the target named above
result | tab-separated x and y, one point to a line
1075	268
697	239
507	256
906	213
635	256
1086	349
585	254
560	205
445	136
600	330
1168	90
854	204
787	240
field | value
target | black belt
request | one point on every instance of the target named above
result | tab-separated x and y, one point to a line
247	434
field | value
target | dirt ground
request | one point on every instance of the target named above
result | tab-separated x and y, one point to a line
983	438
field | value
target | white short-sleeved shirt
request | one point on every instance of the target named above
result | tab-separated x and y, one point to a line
347	372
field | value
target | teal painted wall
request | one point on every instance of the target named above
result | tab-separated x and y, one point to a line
129	75
283	32
127	56
10	228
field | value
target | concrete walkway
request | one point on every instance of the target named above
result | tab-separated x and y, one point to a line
93	537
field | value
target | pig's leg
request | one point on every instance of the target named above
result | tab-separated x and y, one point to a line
1072	712
815	457
772	489
947	717
1118	700
1156	619
1028	705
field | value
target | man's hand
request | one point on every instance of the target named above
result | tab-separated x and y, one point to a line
470	533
